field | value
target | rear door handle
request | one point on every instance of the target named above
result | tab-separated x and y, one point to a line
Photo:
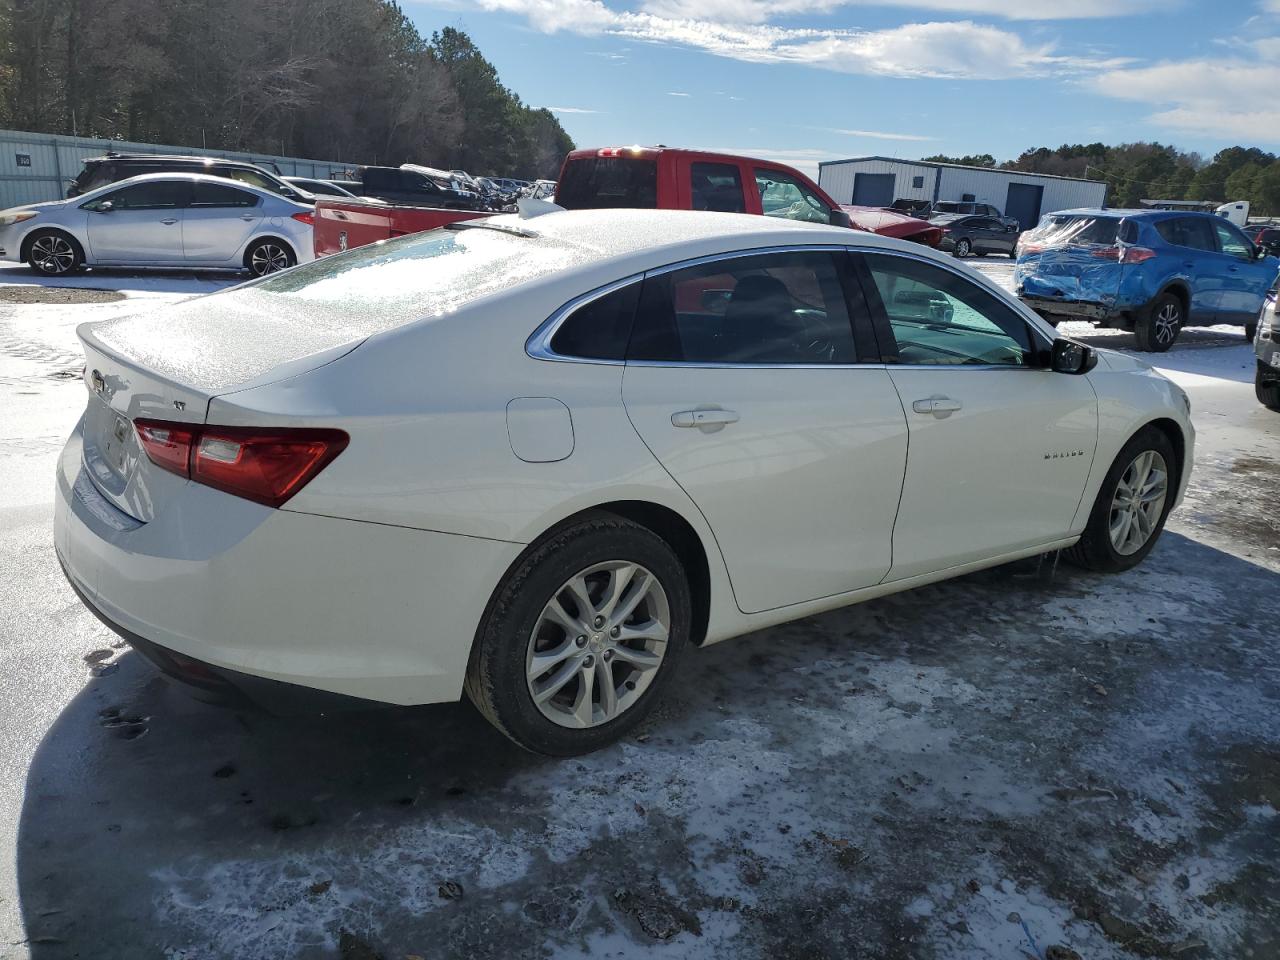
940	407
248	216
703	418
169	221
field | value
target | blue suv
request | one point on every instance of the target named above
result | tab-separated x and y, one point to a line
1149	271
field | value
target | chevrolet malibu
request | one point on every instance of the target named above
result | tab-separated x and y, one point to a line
537	459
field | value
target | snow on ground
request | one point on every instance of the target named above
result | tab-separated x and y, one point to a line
985	768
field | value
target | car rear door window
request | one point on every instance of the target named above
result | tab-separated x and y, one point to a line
206	195
600	328
776	308
937	317
1194	233
782	195
158	195
1231	241
594	183
716	186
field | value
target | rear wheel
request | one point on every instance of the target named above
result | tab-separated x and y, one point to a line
1129	513
53	253
1158	326
1251	330
1266	384
963	247
269	256
581	637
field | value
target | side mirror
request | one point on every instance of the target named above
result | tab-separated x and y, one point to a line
1072	357
1260	251
839	218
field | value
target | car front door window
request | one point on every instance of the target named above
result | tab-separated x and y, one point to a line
1231	241
782	195
937	317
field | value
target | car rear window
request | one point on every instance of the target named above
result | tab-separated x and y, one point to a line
594	183
1085	230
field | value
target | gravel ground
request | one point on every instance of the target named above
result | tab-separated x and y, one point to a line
1031	762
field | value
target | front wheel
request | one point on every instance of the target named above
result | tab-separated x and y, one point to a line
268	256
1251	330
963	248
54	253
581	637
1266	384
1131	507
1158	326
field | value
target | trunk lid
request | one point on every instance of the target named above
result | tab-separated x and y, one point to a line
1071	257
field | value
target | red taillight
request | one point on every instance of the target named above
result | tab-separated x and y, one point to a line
1136	254
167	444
308	218
258	463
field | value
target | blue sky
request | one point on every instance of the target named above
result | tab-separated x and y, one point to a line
810	80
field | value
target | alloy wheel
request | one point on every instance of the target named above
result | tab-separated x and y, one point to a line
52	254
962	248
598	643
268	258
1138	503
1168	321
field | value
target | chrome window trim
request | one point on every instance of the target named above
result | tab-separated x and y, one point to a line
538	346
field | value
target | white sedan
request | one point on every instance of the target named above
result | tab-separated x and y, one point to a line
536	459
173	220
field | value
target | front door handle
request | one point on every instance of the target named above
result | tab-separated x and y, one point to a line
248	216
940	407
703	418
169	221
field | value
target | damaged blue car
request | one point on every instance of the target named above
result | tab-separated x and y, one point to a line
1149	271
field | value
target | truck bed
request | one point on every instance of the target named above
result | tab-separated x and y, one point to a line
342	224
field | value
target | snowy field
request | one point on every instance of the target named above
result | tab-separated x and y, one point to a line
1031	762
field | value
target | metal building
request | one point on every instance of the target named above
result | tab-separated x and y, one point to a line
39	166
878	181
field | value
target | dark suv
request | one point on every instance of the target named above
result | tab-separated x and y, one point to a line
414	188
100	171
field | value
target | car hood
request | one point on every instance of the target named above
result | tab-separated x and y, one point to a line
887	223
43	205
1120	362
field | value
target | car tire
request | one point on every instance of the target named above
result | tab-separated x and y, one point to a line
542	707
267	256
1266	384
1013	254
1157	328
1110	542
53	253
1251	330
963	248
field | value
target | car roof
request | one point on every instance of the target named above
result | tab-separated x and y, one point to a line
171	158
1124	213
179	175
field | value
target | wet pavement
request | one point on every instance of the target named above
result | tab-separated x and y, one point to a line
1027	762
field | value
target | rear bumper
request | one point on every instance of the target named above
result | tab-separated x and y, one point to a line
362	610
1069	308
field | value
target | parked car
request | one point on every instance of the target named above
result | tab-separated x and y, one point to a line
161	220
948	208
540	190
320	188
1266	346
892	223
976	235
410	185
1149	271
552	527
1266	235
100	171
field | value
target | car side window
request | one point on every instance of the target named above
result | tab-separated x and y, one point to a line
251	177
206	195
600	328
1194	233
939	317
159	195
782	195
716	186
1231	241
775	308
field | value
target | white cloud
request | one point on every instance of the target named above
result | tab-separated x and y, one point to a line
806	160
953	50
571	110
760	11
1226	98
875	134
675	93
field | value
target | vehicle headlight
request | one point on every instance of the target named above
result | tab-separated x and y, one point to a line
17	216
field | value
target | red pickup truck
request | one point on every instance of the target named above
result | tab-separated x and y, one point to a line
638	177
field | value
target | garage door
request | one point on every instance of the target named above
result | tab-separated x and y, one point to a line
1024	203
873	189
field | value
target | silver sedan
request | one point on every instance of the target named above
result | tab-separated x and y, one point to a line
172	220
